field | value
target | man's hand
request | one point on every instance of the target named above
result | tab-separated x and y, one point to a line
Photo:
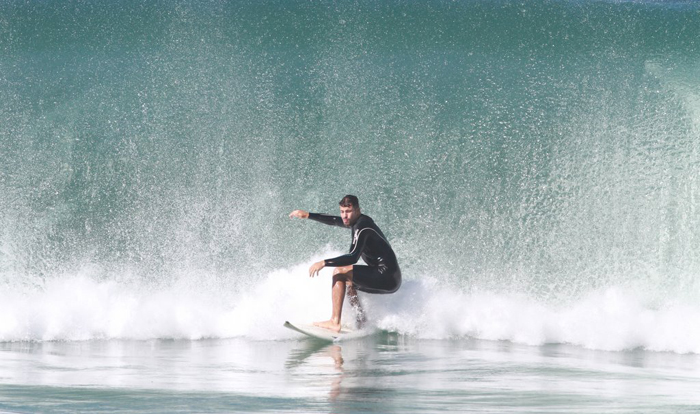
316	267
299	214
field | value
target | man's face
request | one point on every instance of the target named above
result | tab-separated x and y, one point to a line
349	215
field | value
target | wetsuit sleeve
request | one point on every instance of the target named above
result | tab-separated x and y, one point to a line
325	219
354	255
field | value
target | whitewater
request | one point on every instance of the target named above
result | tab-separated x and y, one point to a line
85	306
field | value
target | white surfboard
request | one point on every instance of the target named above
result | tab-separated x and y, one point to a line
322	333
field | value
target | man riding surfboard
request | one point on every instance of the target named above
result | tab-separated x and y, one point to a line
380	275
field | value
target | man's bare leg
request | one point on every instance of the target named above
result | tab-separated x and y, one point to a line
360	317
341	277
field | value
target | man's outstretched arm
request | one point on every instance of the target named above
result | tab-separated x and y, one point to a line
321	218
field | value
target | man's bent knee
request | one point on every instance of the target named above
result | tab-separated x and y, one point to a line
343	270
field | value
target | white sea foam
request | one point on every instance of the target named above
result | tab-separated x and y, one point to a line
610	319
79	307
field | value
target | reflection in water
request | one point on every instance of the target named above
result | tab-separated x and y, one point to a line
314	352
334	351
298	356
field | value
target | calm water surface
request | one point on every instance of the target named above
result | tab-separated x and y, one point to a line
385	373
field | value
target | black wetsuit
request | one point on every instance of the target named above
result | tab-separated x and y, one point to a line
382	275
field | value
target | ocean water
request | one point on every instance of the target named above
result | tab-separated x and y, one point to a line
535	165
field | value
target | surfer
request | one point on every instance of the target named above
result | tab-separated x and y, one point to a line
380	275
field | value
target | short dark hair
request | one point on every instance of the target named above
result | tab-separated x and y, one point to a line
350	200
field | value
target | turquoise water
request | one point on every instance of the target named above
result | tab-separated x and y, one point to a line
534	164
386	373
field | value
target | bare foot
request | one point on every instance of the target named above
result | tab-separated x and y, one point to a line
330	325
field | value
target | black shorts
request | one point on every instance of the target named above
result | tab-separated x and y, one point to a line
379	279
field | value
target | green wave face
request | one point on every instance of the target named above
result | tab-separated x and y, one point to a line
547	148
